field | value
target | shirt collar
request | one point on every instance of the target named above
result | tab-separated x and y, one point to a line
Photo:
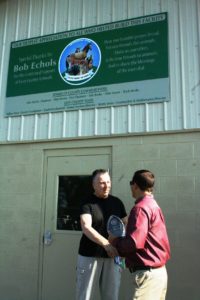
143	197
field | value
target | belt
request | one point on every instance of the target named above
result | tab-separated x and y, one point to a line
138	268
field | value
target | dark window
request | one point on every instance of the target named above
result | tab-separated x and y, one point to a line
71	190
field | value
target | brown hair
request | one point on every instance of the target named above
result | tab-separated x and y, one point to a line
144	179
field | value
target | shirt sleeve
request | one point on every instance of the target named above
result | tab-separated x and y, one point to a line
124	245
85	209
137	228
136	233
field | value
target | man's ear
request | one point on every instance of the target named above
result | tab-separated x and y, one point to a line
136	186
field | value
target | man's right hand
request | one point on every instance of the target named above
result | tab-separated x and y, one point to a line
111	251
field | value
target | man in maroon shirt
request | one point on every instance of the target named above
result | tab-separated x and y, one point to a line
146	245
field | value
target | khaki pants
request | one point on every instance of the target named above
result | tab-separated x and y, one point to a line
97	273
150	284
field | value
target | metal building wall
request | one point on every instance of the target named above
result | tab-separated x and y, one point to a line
22	19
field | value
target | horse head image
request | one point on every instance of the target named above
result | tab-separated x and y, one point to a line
82	53
76	61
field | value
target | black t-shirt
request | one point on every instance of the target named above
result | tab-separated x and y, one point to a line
100	210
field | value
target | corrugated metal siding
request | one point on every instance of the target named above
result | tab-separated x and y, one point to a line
21	19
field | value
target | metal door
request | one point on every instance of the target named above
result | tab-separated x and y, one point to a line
60	245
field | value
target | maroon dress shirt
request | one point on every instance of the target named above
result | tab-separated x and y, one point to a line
146	242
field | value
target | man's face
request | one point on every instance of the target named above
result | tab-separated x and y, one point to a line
102	185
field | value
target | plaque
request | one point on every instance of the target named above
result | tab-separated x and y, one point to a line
115	226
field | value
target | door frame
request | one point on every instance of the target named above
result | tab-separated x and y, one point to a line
60	152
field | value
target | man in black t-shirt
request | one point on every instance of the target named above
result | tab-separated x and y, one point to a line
96	266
